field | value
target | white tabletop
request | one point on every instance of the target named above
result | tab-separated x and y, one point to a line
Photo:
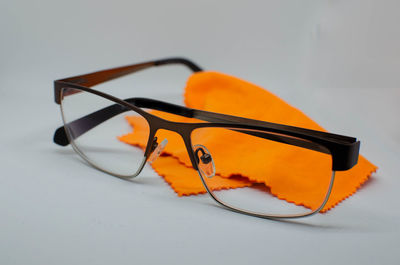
54	209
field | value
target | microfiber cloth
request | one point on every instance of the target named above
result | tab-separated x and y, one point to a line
217	92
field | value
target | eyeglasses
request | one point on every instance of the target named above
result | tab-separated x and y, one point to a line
93	119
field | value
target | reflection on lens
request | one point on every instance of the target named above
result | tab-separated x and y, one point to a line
287	180
93	124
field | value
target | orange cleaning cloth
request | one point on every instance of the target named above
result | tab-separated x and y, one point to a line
225	94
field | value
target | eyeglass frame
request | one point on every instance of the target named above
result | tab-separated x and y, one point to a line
344	150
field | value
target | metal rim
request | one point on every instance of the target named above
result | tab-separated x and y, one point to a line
266	216
93	164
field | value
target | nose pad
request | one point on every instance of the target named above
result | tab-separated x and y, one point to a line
204	161
157	149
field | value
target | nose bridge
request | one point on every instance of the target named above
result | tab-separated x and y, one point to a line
182	129
178	127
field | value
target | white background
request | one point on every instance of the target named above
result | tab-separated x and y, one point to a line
336	60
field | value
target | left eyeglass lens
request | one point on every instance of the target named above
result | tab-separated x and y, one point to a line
93	125
279	179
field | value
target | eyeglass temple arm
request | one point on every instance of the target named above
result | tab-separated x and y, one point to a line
88	122
95	78
341	146
344	149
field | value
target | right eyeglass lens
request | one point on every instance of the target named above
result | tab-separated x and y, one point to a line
288	180
93	124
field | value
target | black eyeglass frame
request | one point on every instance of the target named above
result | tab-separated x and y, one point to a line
343	149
